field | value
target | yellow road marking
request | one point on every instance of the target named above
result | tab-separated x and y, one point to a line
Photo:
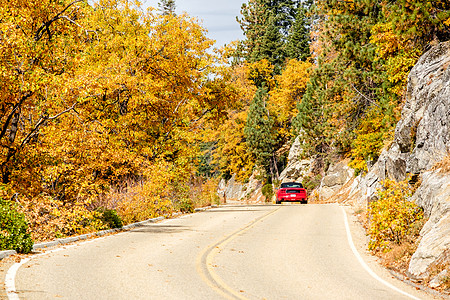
206	257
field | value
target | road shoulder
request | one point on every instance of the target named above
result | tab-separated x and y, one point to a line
361	240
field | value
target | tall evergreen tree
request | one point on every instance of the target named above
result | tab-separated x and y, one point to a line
258	132
271	46
269	25
167	7
298	40
253	24
311	122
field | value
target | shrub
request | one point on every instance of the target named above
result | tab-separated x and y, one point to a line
204	192
13	229
392	217
267	191
110	218
186	205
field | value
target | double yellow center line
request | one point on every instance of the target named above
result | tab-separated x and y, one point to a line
205	266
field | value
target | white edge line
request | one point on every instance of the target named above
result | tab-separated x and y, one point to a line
10	277
364	265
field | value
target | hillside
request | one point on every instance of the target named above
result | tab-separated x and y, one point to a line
111	115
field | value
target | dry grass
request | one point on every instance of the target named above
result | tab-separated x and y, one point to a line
399	256
443	166
441	264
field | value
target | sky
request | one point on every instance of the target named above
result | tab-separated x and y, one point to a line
217	16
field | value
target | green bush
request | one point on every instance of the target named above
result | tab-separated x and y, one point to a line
13	229
267	191
110	218
186	205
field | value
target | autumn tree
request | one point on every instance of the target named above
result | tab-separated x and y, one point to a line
102	97
287	94
36	41
232	155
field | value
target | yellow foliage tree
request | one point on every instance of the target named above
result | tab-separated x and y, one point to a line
101	97
392	216
289	90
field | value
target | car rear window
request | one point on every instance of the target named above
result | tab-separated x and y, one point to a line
291	185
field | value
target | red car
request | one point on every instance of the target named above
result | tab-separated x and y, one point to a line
291	192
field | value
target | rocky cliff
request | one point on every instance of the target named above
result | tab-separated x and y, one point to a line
422	140
232	191
297	168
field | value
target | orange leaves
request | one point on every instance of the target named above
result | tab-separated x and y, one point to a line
102	97
399	53
291	85
261	72
233	156
393	217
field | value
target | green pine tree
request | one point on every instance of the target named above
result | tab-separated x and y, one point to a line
298	40
271	45
269	25
258	132
311	122
167	7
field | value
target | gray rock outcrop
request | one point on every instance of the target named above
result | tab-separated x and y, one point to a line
422	139
337	176
297	168
434	248
422	136
234	191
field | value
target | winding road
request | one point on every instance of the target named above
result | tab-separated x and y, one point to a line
230	252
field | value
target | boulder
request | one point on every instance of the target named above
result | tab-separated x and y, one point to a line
434	196
297	168
336	177
234	191
295	171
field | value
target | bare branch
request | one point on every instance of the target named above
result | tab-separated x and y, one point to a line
71	21
17	106
364	96
41	121
45	27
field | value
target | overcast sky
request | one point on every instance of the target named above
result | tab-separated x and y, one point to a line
218	16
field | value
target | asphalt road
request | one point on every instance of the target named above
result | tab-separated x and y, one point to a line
232	252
